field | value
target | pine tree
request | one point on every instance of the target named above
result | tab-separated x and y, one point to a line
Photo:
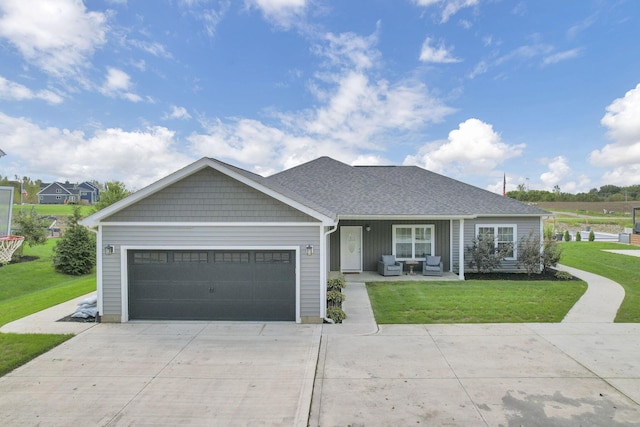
75	252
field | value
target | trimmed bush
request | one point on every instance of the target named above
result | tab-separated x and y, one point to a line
567	236
336	314
564	275
336	284
592	236
578	236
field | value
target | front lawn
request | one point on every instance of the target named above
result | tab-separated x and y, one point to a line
473	301
624	269
26	288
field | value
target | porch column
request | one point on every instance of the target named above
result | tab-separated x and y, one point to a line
461	250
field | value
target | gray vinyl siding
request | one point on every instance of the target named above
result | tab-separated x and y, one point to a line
524	226
209	196
233	237
379	240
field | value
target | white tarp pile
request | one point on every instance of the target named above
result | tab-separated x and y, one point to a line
88	307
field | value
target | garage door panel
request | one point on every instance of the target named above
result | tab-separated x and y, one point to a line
168	289
212	285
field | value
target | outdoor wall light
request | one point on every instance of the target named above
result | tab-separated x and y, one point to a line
367	228
109	249
309	250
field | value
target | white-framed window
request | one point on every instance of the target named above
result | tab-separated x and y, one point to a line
413	241
502	234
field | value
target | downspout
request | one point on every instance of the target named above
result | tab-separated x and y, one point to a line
461	250
323	271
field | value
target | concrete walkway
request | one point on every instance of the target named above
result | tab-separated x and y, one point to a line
601	301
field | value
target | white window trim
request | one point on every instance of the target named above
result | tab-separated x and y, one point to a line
495	234
413	239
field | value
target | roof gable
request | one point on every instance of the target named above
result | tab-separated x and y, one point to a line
244	177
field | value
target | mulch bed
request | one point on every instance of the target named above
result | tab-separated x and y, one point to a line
24	258
78	319
549	275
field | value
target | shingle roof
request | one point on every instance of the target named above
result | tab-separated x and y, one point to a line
391	191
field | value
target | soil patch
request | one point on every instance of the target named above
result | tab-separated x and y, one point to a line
25	258
548	276
78	319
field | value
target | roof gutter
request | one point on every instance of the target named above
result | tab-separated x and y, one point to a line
409	217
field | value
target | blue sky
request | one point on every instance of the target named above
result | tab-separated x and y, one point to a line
545	91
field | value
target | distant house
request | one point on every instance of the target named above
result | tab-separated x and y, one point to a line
57	193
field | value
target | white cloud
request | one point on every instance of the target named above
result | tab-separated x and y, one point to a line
560	173
562	56
449	7
137	158
357	117
17	92
118	84
210	16
180	113
283	13
623	154
153	48
472	149
439	54
56	36
558	170
540	54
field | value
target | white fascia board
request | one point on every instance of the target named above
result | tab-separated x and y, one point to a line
405	217
198	165
211	224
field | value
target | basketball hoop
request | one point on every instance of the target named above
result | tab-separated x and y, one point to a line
8	245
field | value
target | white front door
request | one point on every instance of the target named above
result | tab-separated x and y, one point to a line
351	249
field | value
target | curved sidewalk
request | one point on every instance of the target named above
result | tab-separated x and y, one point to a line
601	301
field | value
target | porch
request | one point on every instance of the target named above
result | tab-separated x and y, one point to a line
373	276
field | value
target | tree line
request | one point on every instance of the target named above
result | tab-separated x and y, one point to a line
606	193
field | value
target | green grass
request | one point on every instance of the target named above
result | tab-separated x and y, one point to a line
18	349
27	288
624	269
473	301
54	210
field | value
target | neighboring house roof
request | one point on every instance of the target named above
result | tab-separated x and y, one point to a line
46	187
334	190
69	188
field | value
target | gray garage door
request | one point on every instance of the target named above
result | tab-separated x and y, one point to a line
212	285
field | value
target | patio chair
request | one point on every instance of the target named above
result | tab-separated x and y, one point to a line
432	266
388	266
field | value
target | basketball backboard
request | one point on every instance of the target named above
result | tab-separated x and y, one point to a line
6	205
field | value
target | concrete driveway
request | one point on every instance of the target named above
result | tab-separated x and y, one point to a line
576	373
168	374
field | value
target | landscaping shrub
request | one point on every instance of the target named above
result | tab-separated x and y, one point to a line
592	236
336	314
533	254
529	253
484	256
567	236
551	254
564	275
578	237
336	284
75	252
335	297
